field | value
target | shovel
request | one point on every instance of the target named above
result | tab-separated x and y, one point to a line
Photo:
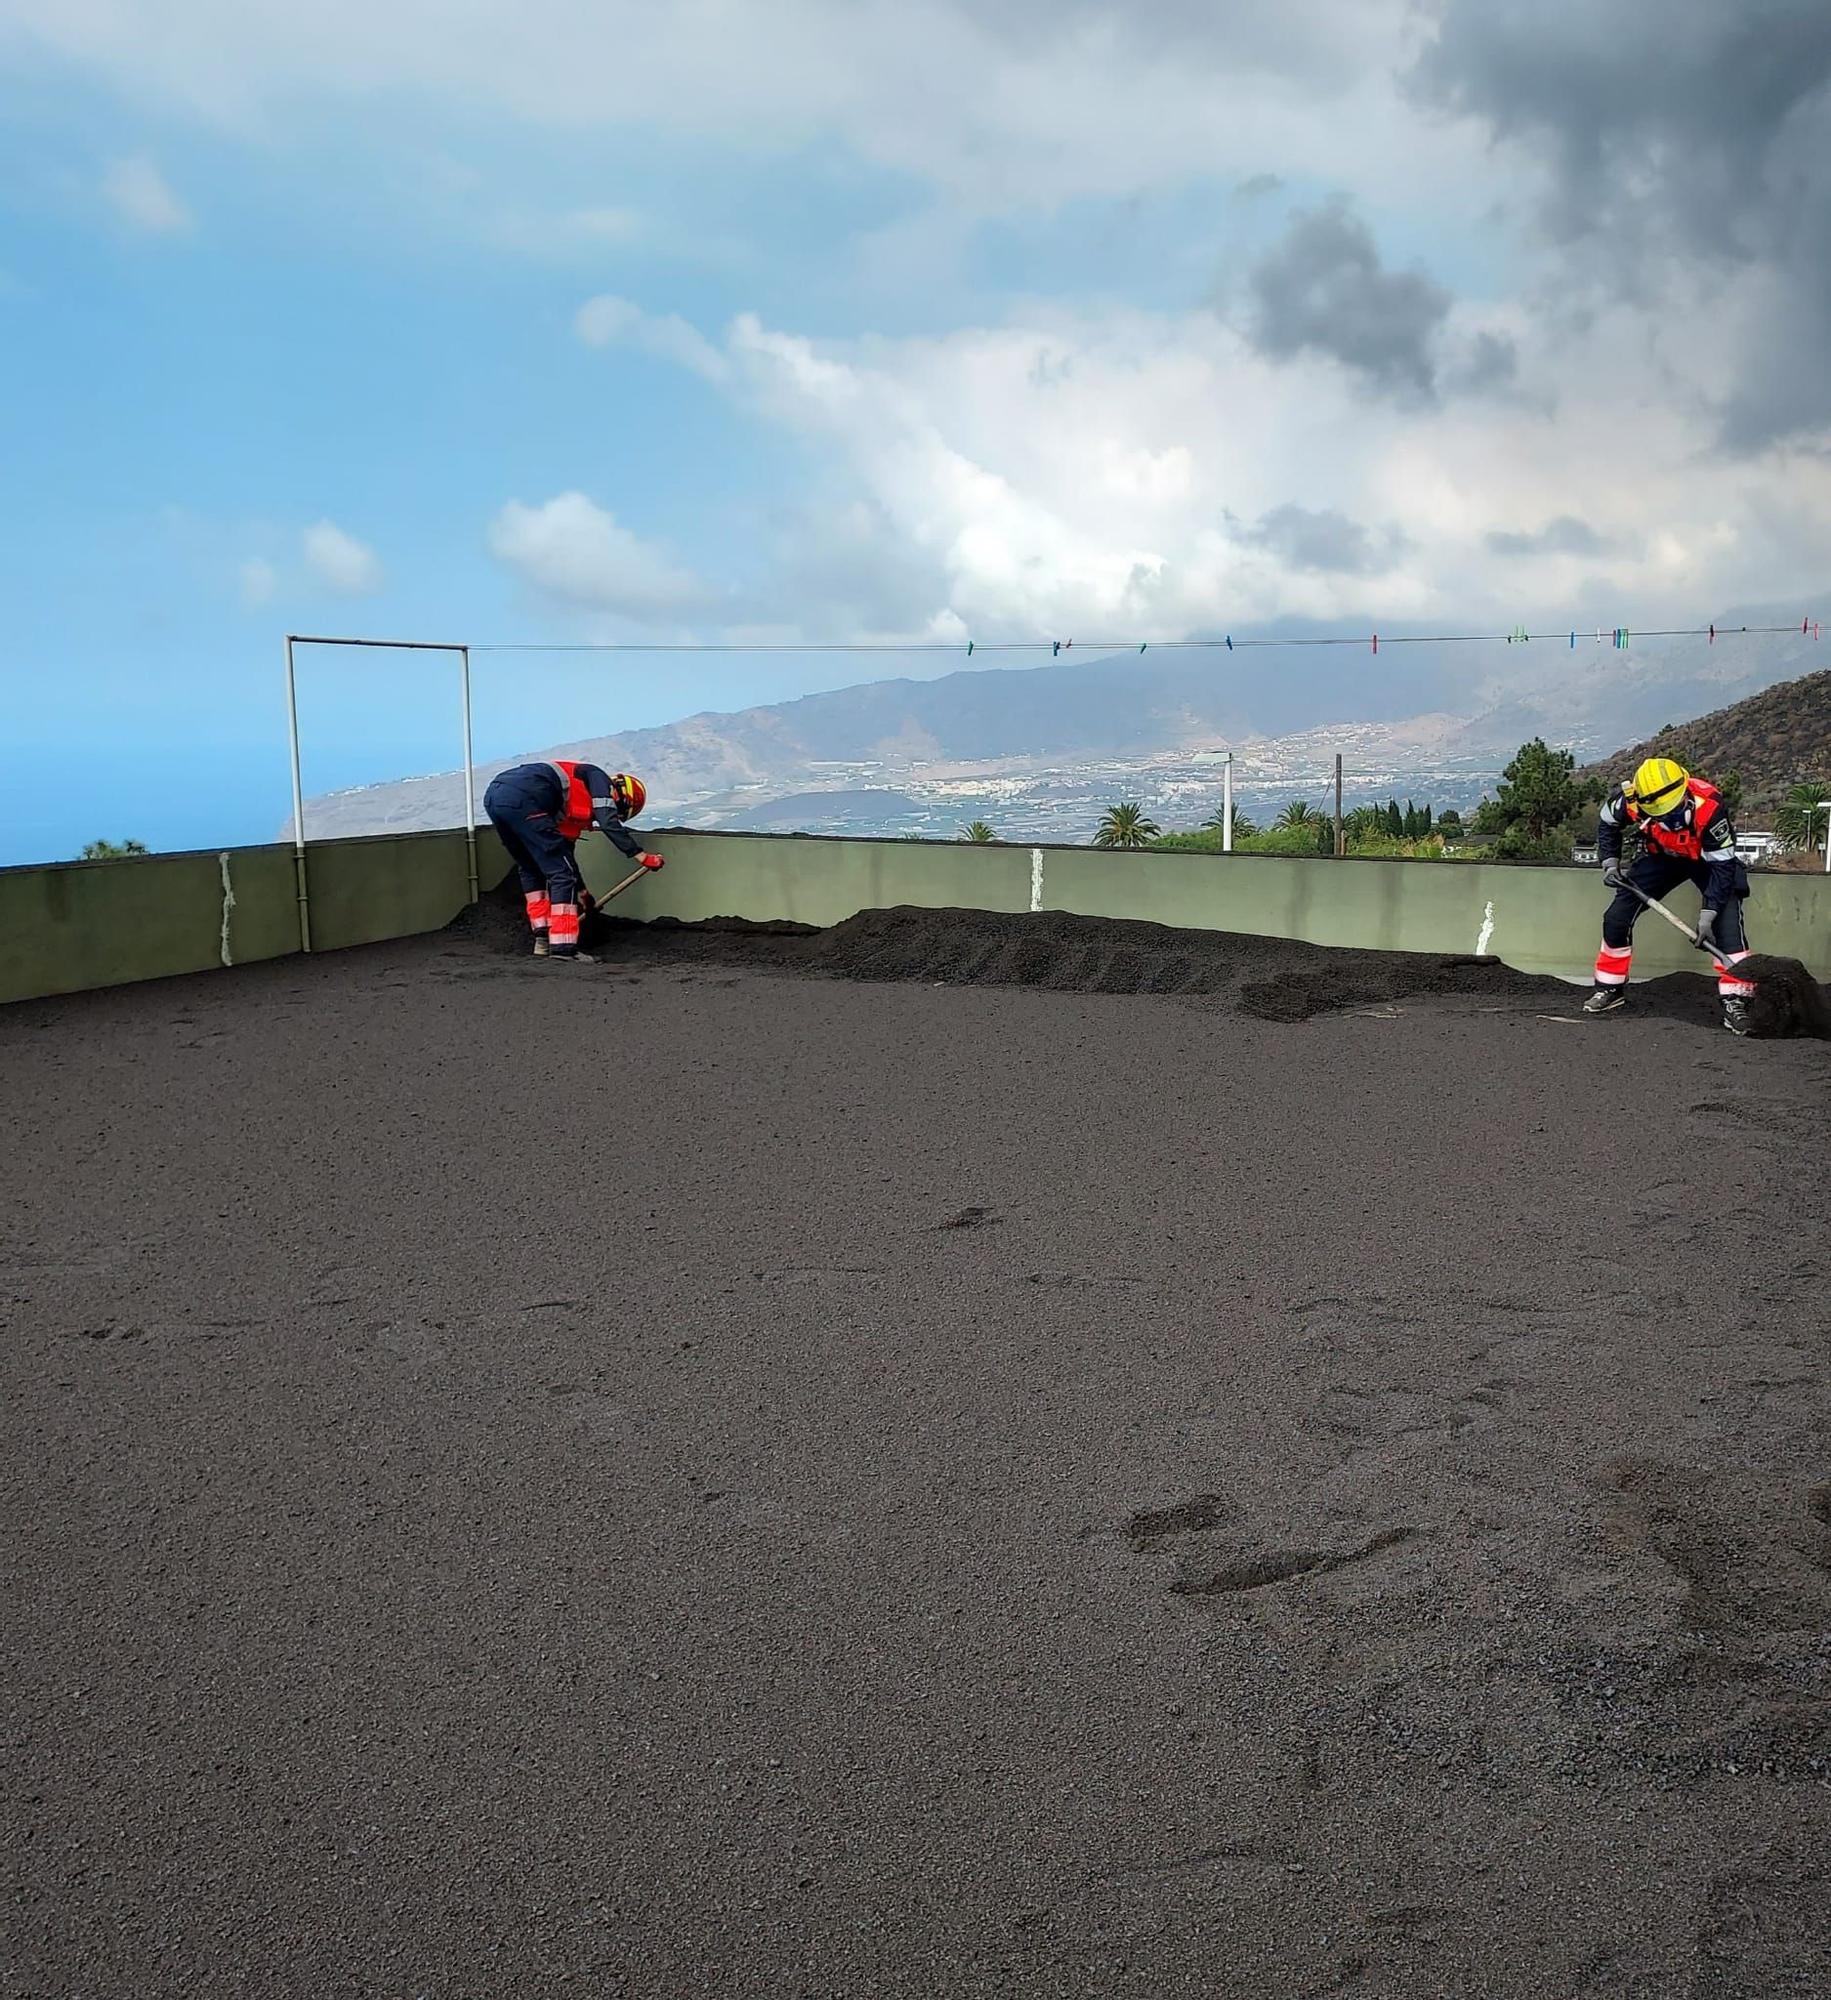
1679	924
636	874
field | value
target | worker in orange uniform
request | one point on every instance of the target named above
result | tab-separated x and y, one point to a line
1686	836
539	811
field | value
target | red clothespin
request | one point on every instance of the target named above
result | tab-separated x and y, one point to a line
1713	635
1376	642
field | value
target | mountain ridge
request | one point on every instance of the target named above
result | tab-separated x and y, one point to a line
1778	737
1045	740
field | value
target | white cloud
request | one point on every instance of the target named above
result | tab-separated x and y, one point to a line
1004	103
340	562
607	322
574	550
1131	475
141	196
259	581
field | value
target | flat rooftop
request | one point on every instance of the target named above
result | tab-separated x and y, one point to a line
691	1478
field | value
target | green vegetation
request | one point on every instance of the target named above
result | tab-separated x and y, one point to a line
111	850
1126	826
1243	828
978	831
1306	842
1541	808
1798	821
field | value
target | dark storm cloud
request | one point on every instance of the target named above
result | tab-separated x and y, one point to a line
1324	290
1325	541
1566	536
1687	131
1490	364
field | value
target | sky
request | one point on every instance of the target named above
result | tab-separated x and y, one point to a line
821	321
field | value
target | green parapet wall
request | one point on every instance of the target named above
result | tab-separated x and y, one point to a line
83	924
1539	919
105	923
394	885
795	878
87	924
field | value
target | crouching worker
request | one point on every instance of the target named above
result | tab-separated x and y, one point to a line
1685	836
540	810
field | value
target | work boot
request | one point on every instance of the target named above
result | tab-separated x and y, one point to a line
1735	1014
571	958
541	946
1605	1000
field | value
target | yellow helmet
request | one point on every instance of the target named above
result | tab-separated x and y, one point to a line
1659	786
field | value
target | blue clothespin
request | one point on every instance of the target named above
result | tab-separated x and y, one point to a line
1230	642
969	649
1055	648
1142	644
1573	642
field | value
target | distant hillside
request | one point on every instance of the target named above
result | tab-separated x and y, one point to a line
1429	721
1777	738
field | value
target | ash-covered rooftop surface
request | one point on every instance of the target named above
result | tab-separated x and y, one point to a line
675	1479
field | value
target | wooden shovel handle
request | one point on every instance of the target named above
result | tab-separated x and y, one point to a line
616	889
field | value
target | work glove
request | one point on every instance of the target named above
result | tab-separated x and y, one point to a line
1613	874
1707	929
651	861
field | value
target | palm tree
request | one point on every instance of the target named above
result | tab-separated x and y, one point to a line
1297	814
1799	820
1362	821
1242	826
1126	826
978	831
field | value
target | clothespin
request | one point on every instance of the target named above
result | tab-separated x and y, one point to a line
1573	642
969	649
1376	642
1230	642
1713	635
1142	644
1055	648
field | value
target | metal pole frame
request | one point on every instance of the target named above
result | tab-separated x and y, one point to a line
470	794
298	787
1341	845
1227	805
298	802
